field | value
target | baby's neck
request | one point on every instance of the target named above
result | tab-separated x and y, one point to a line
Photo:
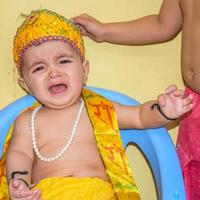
62	109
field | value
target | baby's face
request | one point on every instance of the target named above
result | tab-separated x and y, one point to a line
54	73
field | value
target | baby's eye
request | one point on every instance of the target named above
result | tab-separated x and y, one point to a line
38	69
65	61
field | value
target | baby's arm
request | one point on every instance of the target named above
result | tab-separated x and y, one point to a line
169	106
19	161
146	30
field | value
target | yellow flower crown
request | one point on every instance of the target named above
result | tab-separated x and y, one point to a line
42	26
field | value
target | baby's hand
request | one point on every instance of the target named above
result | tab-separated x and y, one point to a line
173	103
19	191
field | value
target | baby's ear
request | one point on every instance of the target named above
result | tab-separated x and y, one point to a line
22	83
85	70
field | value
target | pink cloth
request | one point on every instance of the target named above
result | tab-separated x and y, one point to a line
188	148
191	174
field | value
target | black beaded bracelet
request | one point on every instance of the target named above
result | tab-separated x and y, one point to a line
18	172
159	109
21	173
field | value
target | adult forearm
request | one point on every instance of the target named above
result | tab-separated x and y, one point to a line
146	30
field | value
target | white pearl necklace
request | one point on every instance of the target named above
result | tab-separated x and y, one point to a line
59	154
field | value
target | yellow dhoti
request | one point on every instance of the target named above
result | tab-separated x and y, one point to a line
69	188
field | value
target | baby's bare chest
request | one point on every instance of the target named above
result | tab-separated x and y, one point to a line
80	157
52	139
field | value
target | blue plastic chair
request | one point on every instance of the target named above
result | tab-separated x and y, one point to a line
156	145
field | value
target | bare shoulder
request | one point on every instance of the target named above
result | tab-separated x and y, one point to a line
22	123
21	140
171	9
171	2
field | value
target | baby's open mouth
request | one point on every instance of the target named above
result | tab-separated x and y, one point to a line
58	89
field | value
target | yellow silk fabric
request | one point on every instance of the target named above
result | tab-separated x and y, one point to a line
71	188
106	131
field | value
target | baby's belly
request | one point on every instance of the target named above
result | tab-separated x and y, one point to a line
83	161
190	59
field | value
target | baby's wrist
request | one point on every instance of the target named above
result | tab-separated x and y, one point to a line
24	181
14	173
17	173
161	112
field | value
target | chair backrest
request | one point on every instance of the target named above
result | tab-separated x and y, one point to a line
156	145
